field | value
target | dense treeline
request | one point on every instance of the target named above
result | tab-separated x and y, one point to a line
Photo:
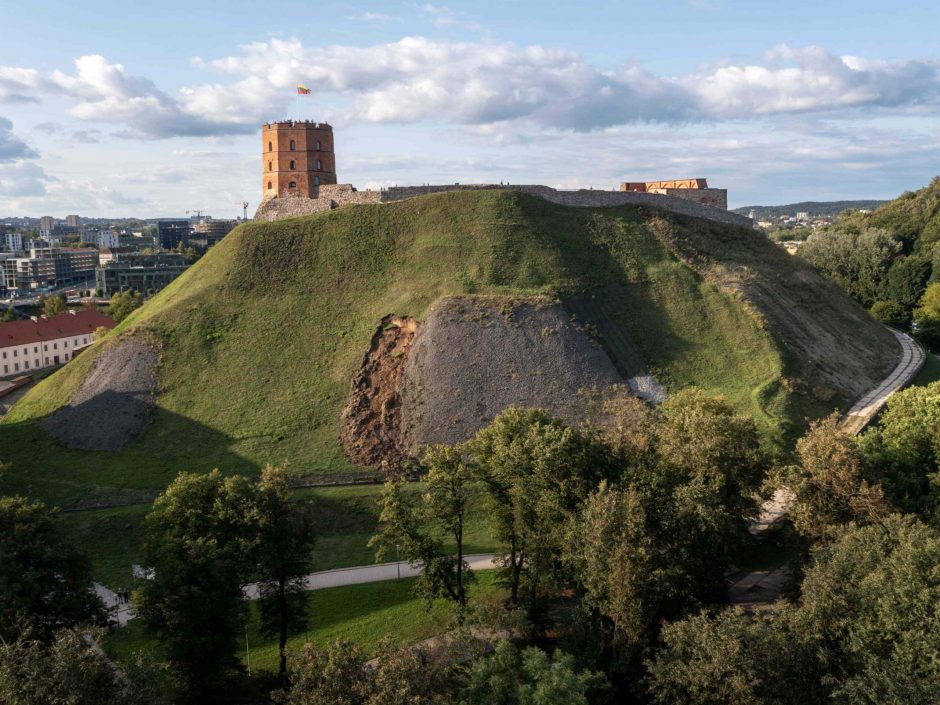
614	543
887	259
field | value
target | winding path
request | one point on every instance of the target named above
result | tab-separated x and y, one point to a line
122	613
761	587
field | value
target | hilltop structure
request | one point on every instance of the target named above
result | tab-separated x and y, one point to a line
298	158
299	168
690	189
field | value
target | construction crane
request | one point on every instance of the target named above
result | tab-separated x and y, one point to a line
198	213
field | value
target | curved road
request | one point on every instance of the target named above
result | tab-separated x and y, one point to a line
763	586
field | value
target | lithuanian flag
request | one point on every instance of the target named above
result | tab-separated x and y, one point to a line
302	90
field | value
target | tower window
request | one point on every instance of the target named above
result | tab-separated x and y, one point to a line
293	164
319	165
292	184
270	147
293	145
316	180
269	186
270	166
318	145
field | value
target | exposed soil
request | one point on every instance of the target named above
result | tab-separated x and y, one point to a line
115	403
370	433
474	357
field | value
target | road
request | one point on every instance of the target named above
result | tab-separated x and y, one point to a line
761	587
321	580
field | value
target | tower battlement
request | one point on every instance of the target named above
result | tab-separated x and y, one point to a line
297	158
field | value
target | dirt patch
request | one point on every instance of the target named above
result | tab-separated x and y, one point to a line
476	356
371	420
115	402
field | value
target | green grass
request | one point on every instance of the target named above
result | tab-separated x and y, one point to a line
362	614
930	372
261	337
345	518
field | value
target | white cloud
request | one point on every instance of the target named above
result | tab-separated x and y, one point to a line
105	92
12	148
22	179
479	85
20	85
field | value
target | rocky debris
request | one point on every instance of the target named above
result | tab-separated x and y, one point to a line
371	420
115	403
474	357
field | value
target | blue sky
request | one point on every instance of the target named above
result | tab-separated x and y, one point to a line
153	108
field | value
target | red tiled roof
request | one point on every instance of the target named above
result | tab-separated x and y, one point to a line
65	325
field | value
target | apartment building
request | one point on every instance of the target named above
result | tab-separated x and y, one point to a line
41	342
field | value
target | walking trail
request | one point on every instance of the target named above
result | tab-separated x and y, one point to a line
761	587
122	612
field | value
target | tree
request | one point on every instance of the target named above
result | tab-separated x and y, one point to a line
68	671
858	260
869	606
285	541
339	675
415	526
200	538
528	677
700	484
46	582
52	305
7	314
734	658
927	316
828	483
536	472
618	564
891	313
903	450
123	303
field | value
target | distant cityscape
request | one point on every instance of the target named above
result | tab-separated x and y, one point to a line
96	257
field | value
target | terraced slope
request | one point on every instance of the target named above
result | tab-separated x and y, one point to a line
260	340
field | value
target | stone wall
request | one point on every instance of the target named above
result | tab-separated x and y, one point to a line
344	194
585	198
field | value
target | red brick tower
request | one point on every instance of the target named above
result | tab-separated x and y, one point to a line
297	158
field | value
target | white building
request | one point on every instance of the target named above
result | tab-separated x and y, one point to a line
46	342
107	239
11	242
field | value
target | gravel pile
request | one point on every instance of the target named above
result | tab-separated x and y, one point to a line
115	402
472	358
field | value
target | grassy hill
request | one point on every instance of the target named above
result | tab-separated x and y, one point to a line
260	339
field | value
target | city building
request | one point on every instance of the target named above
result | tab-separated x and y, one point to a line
46	225
297	158
113	254
106	239
690	189
11	242
45	342
209	232
170	233
49	267
138	272
73	221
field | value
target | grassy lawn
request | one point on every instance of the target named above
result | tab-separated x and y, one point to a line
930	372
363	614
345	519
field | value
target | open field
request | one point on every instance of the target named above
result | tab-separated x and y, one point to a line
362	614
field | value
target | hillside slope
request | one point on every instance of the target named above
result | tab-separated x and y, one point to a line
259	341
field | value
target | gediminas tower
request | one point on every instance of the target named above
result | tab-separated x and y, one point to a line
298	158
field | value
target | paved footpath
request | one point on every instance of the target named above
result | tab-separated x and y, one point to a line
761	587
321	580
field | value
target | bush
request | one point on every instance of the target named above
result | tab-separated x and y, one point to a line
891	313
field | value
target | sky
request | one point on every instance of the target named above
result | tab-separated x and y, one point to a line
151	109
